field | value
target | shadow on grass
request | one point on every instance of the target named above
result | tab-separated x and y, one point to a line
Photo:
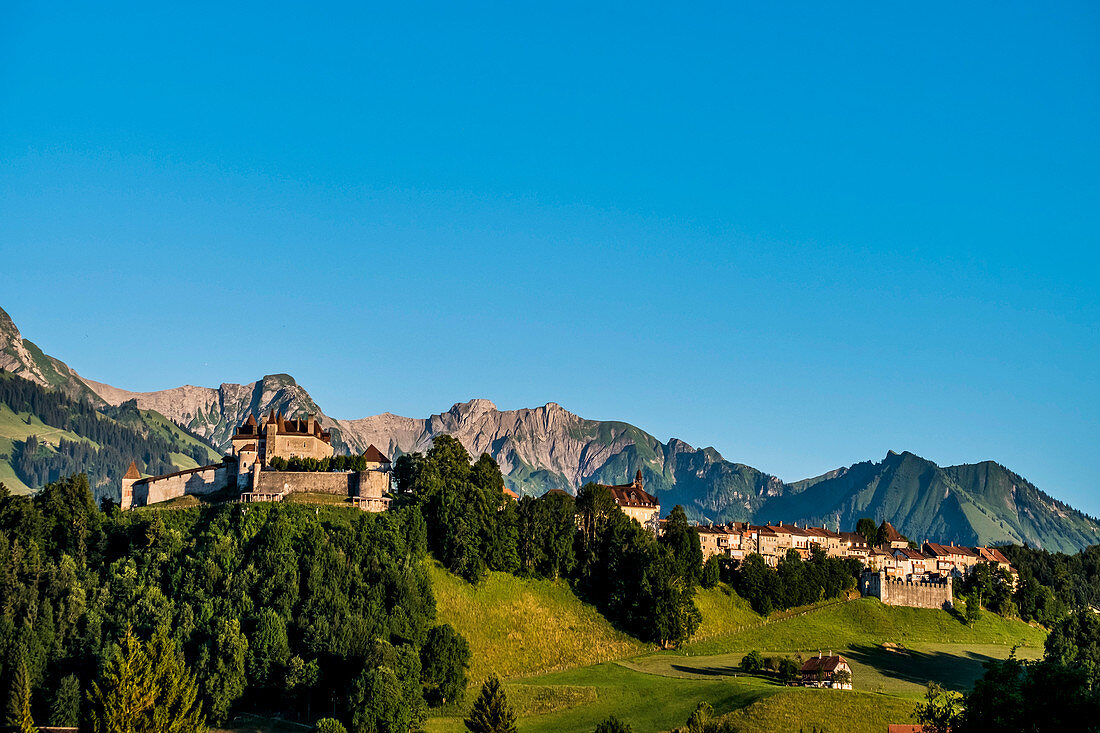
957	671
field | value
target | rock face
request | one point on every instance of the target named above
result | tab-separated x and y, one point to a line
22	358
549	447
213	414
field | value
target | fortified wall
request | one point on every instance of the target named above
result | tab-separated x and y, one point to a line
355	483
918	593
199	481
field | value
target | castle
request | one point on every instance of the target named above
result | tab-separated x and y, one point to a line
247	475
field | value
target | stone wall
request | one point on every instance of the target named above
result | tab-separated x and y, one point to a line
919	593
197	481
313	482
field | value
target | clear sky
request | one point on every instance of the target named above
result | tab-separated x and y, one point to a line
804	236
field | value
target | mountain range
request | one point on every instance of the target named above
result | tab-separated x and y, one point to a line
549	447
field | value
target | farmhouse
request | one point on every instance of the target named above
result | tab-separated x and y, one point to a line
830	671
246	474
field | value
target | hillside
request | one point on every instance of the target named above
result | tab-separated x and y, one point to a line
46	434
549	447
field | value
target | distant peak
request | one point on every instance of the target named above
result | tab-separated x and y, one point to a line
284	379
476	406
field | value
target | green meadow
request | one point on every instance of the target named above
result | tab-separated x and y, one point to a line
566	669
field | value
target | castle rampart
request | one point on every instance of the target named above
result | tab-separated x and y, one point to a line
897	592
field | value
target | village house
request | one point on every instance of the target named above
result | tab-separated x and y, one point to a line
832	671
910	563
950	559
637	504
894	539
853	544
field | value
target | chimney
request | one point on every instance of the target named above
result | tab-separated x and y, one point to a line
310	424
819	654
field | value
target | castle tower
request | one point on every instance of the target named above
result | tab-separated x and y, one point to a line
638	479
132	475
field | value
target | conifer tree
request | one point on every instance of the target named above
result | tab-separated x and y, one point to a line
18	714
65	708
491	712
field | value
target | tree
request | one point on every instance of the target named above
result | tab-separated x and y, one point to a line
712	571
682	540
788	669
941	710
1074	641
867	527
613	725
444	659
491	712
697	721
330	725
842	677
18	713
752	662
268	649
222	668
379	705
973	609
65	708
145	688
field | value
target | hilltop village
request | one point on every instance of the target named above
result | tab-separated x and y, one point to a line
897	571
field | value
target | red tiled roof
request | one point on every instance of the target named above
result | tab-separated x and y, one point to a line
132	471
892	535
946	550
825	664
909	553
511	494
374	455
990	554
904	728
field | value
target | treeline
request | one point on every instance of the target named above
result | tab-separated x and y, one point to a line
1059	692
36	463
332	463
278	609
793	582
1051	583
644	585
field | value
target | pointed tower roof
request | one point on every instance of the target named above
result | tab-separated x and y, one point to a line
251	420
132	471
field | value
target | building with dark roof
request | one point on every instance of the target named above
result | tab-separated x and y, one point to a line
636	503
830	670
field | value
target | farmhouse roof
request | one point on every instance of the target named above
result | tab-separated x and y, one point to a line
825	664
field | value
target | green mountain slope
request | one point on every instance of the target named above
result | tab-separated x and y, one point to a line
968	504
46	434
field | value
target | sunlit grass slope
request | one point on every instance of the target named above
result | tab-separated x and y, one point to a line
523	627
868	622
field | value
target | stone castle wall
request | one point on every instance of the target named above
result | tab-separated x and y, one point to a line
361	483
200	481
920	594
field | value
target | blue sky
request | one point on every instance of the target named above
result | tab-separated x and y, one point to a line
800	235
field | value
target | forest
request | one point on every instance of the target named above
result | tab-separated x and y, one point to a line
274	608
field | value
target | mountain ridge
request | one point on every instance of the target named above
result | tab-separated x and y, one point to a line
550	447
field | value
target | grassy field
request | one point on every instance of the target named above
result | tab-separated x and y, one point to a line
724	612
893	652
826	711
519	627
867	623
19	427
